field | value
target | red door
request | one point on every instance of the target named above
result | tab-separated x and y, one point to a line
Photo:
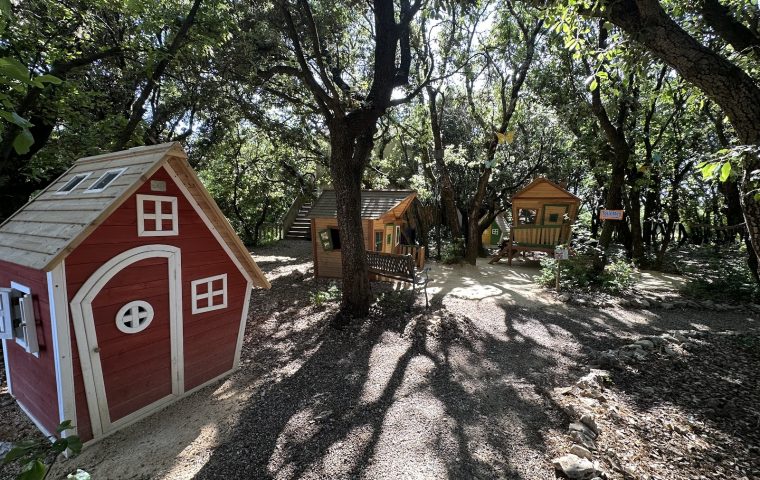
131	315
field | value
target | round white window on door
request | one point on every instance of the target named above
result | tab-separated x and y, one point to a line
134	317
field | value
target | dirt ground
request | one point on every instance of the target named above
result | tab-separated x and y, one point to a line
458	391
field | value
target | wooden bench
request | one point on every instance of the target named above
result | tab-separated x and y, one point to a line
399	267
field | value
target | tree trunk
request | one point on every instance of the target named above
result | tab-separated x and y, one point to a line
444	179
350	150
634	198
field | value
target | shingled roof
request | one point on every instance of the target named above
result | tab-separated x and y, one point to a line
45	230
375	203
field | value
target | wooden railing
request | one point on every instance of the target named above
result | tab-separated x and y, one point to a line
270	232
416	251
292	213
540	235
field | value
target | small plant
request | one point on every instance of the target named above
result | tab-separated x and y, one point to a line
321	297
579	273
453	252
38	456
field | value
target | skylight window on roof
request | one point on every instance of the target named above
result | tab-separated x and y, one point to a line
105	180
73	183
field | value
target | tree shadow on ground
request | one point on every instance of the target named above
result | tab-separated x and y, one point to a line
387	398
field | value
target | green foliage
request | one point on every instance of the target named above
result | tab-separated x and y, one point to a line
453	252
37	456
718	276
322	297
579	273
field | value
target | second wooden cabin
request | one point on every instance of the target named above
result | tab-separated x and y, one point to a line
542	214
386	223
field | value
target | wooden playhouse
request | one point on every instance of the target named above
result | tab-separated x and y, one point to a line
542	216
386	224
123	288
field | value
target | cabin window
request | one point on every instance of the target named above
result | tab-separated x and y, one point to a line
495	231
157	216
527	216
335	238
73	183
134	317
378	240
105	180
17	318
553	217
209	293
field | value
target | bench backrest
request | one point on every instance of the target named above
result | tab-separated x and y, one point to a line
399	267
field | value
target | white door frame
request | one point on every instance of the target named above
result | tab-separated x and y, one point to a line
84	328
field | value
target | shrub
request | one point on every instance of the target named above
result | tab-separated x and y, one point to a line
37	456
578	273
721	276
321	297
453	252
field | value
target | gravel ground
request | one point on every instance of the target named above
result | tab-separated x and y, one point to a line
458	391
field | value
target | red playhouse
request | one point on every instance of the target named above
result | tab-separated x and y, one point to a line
122	288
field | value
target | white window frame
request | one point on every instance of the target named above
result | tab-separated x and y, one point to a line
84	175
132	308
157	216
30	342
210	294
96	190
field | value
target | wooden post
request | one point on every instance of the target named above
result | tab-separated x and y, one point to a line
558	260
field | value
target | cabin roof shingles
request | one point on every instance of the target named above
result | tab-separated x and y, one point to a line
375	203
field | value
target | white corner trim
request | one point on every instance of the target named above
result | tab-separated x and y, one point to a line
209	295
243	321
158	216
84	326
201	213
7	367
64	366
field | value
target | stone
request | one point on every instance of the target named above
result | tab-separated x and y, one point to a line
565	297
581	451
643	303
640	355
584	440
689	346
680	337
563	390
590	422
607	360
670	351
668	306
594	377
582	428
645	344
5	447
574	467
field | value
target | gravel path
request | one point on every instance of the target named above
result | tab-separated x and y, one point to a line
455	392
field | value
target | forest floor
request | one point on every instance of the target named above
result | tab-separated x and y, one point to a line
462	390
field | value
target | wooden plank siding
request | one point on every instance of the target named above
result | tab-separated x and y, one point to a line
33	378
209	339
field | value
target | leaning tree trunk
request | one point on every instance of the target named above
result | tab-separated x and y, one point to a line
350	150
444	178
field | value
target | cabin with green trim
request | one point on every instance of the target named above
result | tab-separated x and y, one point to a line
387	223
542	215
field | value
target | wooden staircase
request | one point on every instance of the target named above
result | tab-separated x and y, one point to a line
301	227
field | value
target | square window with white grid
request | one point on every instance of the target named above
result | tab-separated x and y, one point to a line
209	293
157	216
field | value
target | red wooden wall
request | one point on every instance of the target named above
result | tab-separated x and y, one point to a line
209	338
33	379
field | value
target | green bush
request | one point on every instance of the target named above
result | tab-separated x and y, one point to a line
578	273
720	276
453	252
37	456
321	297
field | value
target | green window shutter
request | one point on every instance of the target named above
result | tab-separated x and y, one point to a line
325	239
